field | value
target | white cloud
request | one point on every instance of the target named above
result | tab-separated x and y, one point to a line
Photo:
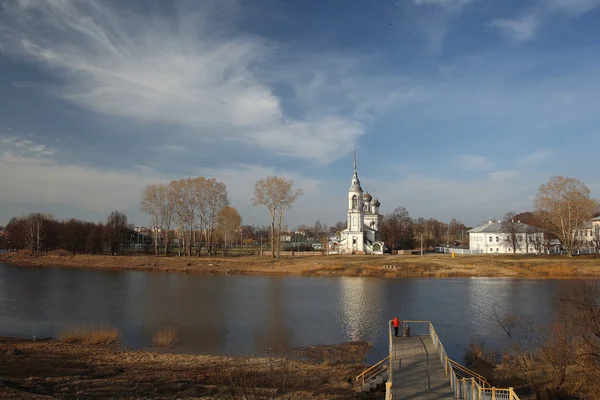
207	80
471	161
526	26
36	181
470	201
573	7
25	147
535	158
453	4
521	29
503	175
42	180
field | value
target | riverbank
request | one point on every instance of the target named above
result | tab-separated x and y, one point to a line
35	370
428	266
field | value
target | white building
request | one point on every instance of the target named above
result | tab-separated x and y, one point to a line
362	235
588	235
490	238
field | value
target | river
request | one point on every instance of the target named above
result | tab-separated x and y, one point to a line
249	315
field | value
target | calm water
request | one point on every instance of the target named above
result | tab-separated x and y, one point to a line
255	314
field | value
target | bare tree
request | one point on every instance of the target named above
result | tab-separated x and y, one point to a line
512	231
166	203
229	222
116	231
565	204
151	204
215	199
34	232
277	194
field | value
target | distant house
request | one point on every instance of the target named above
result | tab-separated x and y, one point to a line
490	238
285	238
588	234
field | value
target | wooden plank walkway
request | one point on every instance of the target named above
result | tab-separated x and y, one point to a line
419	375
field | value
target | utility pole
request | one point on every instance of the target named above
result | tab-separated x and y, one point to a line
421	245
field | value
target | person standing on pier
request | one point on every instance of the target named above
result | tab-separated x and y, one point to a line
396	325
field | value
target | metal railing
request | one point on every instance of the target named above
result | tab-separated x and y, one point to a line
372	371
467	384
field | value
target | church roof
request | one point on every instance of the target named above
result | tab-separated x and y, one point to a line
367	197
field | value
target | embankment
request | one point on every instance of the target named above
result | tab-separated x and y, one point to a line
429	266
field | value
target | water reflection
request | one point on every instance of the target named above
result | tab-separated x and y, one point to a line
360	307
253	314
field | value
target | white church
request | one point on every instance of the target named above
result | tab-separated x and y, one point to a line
363	232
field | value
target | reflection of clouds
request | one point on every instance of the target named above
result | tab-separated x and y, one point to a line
360	306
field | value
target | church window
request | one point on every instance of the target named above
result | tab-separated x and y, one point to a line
354	202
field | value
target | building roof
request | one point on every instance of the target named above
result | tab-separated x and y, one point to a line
496	227
596	219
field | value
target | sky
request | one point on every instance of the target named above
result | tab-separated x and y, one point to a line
456	108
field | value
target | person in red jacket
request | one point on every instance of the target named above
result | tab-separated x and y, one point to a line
396	325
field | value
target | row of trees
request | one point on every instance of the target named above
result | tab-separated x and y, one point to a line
193	206
400	231
42	233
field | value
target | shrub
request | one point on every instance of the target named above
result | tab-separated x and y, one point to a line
165	337
90	335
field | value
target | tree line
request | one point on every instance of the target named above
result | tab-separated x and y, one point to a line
41	233
192	206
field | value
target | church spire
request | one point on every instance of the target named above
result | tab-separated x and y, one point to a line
355	185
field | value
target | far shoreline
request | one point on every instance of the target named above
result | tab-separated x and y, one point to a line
385	266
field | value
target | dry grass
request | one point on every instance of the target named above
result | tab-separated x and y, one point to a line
351	352
165	337
36	370
430	266
90	335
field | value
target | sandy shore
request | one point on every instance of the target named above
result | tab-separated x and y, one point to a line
47	369
383	266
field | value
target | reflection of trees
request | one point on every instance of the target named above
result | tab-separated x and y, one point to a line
193	305
276	337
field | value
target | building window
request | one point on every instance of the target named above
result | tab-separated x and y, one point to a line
496	250
354	202
490	238
497	239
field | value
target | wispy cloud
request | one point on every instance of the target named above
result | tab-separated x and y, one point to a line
207	81
520	29
503	175
448	4
535	158
525	27
471	161
435	18
25	147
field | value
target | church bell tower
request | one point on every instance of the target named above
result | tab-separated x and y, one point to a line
355	211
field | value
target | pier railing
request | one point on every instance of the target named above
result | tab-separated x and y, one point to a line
467	384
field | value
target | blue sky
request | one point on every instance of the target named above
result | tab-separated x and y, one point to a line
460	108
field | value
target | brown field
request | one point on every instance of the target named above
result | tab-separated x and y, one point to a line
45	369
430	265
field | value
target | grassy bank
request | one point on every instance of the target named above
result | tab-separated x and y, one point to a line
46	369
382	266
